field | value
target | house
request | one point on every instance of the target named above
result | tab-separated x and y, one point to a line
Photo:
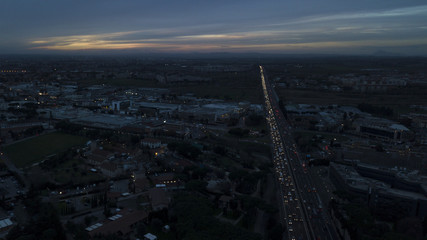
121	223
224	201
98	156
383	129
166	228
110	169
150	236
151	142
166	179
134	129
5	224
141	184
113	196
159	198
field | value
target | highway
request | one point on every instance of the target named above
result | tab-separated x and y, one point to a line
304	216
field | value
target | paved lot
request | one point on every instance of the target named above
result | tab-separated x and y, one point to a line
9	187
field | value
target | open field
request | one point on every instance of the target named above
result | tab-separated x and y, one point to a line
228	90
228	86
33	150
224	92
123	82
325	135
398	102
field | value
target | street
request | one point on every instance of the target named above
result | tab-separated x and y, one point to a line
304	217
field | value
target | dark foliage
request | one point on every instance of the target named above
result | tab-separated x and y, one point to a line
369	108
195	220
185	149
239	132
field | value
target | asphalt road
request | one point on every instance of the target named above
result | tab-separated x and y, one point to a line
304	217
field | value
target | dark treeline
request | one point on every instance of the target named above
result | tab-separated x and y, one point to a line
377	110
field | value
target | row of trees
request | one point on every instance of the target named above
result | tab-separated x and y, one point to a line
186	149
192	218
115	136
239	132
362	222
378	110
43	223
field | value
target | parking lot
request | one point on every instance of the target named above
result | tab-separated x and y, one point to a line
9	187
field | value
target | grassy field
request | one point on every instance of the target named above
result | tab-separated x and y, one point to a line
327	136
228	86
34	150
123	82
398	102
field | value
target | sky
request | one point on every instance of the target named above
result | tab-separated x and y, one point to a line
192	26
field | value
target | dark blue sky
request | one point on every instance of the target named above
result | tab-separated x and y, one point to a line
287	26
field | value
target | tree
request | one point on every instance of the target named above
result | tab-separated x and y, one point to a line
157	224
47	226
233	122
254	120
200	172
239	132
88	220
49	234
369	108
275	232
185	149
14	232
112	236
196	185
194	220
379	148
140	229
81	234
68	127
107	212
237	175
220	150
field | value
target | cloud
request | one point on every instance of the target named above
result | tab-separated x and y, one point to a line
395	27
398	12
239	42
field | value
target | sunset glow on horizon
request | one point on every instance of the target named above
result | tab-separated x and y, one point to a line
207	27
